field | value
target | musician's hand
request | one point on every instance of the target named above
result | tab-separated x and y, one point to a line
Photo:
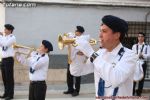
84	47
141	56
80	53
32	70
18	57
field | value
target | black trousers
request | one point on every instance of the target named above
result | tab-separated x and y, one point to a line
7	70
141	82
37	90
70	81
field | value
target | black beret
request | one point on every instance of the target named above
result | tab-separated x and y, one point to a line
142	33
80	29
47	45
116	24
9	27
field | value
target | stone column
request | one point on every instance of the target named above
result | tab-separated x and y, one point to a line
2	22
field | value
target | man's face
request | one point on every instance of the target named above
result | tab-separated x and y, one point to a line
140	38
78	33
42	49
107	36
6	31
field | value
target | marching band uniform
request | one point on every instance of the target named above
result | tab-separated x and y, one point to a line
6	42
78	64
145	50
113	71
79	61
38	66
74	70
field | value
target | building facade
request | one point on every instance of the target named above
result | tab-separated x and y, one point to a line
46	19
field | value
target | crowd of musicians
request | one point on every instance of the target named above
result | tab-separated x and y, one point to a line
114	65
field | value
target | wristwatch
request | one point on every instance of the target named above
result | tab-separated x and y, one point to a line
93	57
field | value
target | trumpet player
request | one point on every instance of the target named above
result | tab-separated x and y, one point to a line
114	64
74	68
143	51
7	39
38	63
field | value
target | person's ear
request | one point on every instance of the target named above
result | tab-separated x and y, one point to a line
117	35
46	50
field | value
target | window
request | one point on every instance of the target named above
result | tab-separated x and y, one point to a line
134	28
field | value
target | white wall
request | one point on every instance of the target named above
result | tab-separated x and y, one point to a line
2	17
47	21
2	21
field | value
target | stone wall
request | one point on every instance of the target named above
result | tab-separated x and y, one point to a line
21	75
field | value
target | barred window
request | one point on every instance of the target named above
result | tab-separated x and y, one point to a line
134	28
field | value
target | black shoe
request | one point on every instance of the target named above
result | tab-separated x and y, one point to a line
4	96
138	93
68	92
75	93
8	98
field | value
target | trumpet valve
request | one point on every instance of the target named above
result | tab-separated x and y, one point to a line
68	41
65	34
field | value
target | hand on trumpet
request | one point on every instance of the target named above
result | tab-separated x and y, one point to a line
141	56
85	47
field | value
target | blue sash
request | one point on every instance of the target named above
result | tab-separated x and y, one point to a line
101	84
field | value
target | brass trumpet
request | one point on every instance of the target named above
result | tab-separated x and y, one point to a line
21	46
16	46
64	40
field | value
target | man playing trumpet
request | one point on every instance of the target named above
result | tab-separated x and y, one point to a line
7	39
38	63
114	64
77	58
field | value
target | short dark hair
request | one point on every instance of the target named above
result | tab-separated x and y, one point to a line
142	33
9	27
116	24
80	29
47	45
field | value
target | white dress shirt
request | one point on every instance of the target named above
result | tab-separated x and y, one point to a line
137	48
145	52
115	73
6	42
109	67
78	63
37	62
78	66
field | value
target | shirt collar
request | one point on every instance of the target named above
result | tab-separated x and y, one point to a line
8	35
78	36
41	54
141	44
116	50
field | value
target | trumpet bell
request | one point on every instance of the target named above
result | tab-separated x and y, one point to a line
25	50
63	40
